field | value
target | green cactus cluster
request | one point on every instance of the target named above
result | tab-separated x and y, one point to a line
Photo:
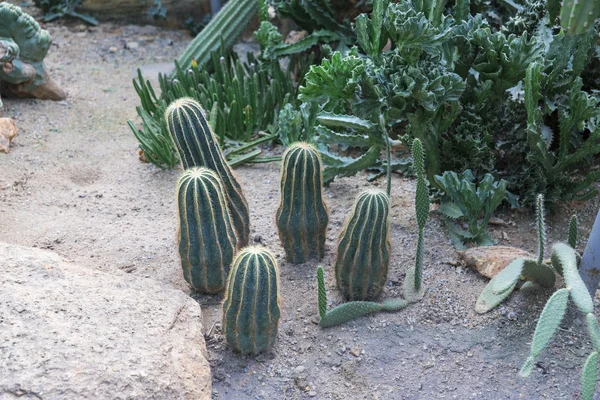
251	307
198	147
524	269
207	238
363	254
564	259
302	215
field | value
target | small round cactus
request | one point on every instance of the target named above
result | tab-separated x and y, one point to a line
302	215
363	254
198	147
251	306
207	238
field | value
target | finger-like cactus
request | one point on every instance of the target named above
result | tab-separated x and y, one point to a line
351	310
589	376
207	238
251	306
572	239
413	287
198	147
363	253
541	228
302	215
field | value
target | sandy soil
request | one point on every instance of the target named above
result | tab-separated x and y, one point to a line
73	183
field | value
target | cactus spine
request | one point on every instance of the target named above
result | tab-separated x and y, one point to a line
363	255
198	147
251	306
302	215
207	239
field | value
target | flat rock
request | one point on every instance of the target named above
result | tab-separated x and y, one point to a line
489	260
68	332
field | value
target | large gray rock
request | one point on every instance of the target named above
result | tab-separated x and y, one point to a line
68	332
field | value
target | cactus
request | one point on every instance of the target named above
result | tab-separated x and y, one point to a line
302	215
222	30
503	284
577	16
573	226
198	147
23	47
363	254
351	310
251	306
413	282
564	258
207	238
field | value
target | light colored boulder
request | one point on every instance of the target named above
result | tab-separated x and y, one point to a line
68	332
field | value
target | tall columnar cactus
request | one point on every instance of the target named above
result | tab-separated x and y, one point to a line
421	209
302	215
198	147
223	29
207	238
23	47
363	254
251	306
564	258
577	16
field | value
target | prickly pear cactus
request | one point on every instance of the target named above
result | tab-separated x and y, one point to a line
251	306
207	238
363	254
198	147
23	47
302	215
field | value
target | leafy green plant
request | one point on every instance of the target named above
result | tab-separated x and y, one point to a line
524	269
433	76
243	98
463	200
54	9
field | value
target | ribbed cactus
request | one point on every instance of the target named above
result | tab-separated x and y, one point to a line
207	238
564	258
198	147
577	16
302	215
251	306
573	227
421	209
363	254
351	310
222	30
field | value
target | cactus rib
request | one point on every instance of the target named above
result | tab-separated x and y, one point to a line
197	147
363	255
207	238
302	215
251	307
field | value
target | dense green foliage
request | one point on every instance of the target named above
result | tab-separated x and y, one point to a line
494	95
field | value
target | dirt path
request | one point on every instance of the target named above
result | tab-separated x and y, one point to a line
73	183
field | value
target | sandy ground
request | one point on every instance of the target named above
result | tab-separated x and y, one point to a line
73	183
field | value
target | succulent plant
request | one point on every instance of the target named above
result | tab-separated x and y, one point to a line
207	238
564	258
302	215
351	310
503	284
23	47
222	30
198	147
251	306
363	254
413	283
